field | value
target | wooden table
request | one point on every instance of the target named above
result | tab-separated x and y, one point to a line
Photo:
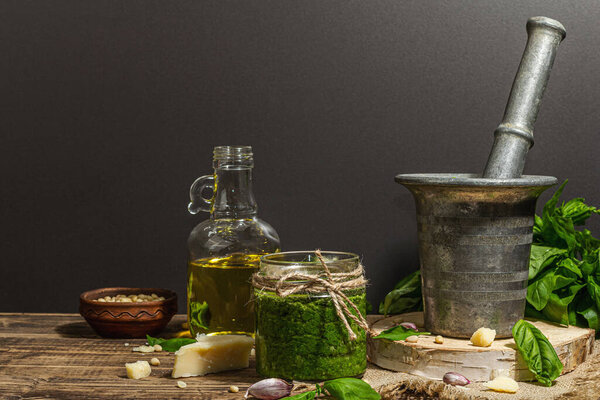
59	356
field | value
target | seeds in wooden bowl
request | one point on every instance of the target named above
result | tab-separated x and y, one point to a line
132	298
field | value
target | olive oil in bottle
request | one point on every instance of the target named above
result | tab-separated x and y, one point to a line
219	296
224	251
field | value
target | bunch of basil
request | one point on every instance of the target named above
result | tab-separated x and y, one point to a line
564	266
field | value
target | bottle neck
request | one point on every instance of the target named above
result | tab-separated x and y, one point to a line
233	193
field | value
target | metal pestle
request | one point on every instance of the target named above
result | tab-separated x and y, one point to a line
514	135
475	231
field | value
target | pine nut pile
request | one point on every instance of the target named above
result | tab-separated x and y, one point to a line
132	298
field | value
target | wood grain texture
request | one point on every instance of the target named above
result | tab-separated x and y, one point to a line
59	356
431	360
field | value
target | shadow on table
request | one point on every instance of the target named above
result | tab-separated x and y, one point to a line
76	330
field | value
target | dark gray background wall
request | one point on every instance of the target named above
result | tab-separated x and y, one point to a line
110	109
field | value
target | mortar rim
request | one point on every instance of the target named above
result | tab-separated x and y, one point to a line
466	179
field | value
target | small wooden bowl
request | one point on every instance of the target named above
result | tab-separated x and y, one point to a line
127	320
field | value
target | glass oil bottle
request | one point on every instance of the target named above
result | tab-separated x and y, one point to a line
225	250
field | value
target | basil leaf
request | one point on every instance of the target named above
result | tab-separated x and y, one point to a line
564	278
541	257
410	282
593	290
171	345
538	353
550	206
555	229
538	226
399	333
557	308
577	210
566	232
588	245
350	389
587	309
302	396
395	304
199	315
152	341
573	317
543	231
571	265
591	264
539	291
405	297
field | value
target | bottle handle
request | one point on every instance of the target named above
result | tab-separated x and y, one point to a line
197	201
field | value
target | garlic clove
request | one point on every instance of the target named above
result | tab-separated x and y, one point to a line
409	325
453	378
269	389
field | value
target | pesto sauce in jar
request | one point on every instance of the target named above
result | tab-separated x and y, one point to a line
301	337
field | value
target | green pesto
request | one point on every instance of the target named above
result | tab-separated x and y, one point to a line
301	337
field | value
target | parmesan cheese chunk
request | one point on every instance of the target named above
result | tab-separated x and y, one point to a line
212	354
483	337
503	384
138	369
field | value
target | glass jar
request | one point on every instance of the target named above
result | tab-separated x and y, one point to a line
224	251
301	336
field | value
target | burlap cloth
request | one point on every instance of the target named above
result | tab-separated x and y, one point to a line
582	383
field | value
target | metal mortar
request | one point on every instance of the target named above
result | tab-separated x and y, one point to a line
475	231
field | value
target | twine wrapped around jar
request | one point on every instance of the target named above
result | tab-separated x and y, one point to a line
333	283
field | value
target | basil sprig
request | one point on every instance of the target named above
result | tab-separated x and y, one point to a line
350	389
537	352
340	389
399	333
171	345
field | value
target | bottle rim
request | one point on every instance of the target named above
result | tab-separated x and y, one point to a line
235	153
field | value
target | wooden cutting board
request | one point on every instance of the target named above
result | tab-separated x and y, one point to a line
431	360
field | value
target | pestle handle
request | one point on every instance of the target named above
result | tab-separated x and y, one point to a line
514	136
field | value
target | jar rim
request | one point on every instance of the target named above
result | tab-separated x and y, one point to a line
302	255
307	262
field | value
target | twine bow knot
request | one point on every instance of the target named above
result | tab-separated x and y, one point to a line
333	283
